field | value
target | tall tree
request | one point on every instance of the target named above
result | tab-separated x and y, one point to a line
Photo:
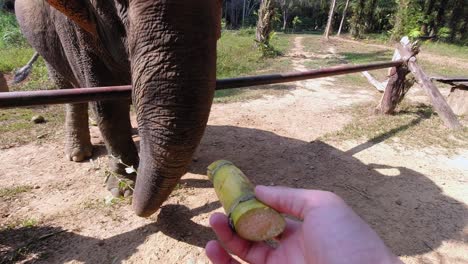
357	21
343	18
369	15
400	19
264	24
328	29
457	14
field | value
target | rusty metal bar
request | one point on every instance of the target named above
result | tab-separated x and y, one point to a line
81	95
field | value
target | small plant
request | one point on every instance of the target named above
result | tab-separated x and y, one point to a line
10	192
28	223
266	48
296	22
414	34
124	184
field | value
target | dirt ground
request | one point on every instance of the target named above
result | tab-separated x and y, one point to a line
416	198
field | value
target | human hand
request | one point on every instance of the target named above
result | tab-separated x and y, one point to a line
328	232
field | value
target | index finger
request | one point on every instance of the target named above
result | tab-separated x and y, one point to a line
294	202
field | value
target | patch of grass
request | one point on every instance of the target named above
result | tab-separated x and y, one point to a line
10	34
446	49
16	126
415	125
367	57
15	58
20	223
28	223
10	192
237	56
442	69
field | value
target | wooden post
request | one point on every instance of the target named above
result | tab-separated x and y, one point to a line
397	85
458	99
437	99
3	84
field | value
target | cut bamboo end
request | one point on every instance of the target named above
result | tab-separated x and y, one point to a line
260	223
251	219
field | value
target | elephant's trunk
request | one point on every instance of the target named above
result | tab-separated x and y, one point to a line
173	58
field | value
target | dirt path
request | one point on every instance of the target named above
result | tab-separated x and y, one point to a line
415	198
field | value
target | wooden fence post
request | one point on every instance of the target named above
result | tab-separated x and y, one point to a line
437	99
397	85
3	83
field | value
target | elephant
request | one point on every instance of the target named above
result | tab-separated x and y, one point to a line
165	48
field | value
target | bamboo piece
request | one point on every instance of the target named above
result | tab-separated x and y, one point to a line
251	219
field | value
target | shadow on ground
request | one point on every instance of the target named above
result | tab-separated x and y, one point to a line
407	209
43	241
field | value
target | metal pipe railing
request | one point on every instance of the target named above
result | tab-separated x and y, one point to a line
81	95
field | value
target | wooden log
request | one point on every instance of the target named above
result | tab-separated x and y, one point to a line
398	84
380	86
437	100
3	84
397	87
458	99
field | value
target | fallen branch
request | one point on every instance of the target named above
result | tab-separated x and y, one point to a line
379	85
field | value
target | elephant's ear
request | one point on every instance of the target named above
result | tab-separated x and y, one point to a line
78	11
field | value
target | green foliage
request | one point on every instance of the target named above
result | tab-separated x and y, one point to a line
444	33
237	54
247	31
296	22
10	34
10	192
415	33
267	49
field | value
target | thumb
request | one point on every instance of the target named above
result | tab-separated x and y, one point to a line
293	202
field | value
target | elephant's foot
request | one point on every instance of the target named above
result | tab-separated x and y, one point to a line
78	153
119	186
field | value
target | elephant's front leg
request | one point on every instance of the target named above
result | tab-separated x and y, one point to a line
114	123
77	140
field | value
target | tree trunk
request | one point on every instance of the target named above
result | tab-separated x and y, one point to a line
328	29
396	89
428	12
440	21
357	19
455	18
3	84
265	17
400	19
285	19
343	18
370	10
243	14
